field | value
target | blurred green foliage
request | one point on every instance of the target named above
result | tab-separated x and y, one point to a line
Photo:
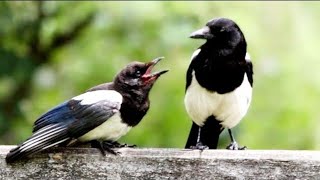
51	51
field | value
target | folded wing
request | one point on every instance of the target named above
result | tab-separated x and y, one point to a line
69	120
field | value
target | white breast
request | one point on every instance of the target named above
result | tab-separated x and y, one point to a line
112	129
228	108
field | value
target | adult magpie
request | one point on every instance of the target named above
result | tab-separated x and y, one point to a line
101	115
218	84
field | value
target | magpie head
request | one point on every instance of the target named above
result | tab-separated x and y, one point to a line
137	76
220	30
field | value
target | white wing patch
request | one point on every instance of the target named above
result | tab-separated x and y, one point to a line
111	129
92	97
247	58
229	108
195	53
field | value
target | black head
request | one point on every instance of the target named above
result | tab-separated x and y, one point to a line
137	77
221	31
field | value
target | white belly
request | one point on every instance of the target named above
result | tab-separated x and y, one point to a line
228	108
112	129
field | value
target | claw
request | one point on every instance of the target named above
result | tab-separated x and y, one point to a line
111	151
234	146
115	144
127	145
199	146
98	145
103	147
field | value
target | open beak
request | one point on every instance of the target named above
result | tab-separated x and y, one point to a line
150	65
203	33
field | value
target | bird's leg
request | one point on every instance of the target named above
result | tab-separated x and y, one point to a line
103	147
97	144
234	145
110	144
199	144
115	144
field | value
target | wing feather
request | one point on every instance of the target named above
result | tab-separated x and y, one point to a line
69	120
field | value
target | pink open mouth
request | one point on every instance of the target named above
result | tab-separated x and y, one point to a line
148	76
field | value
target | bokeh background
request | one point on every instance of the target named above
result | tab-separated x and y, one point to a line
51	51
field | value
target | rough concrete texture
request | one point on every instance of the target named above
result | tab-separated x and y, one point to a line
87	163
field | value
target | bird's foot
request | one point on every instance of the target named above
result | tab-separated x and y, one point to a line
234	146
115	144
107	145
127	145
199	146
110	150
103	148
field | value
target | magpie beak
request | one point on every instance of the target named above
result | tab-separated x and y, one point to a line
203	33
148	75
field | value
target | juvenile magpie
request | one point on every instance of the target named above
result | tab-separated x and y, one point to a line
218	84
101	115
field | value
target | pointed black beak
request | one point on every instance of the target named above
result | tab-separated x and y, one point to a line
159	73
203	33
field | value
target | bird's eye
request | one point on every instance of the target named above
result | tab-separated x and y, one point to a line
222	29
138	73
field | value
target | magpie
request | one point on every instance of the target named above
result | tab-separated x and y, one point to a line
218	84
101	115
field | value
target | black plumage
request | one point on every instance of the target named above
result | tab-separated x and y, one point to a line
218	83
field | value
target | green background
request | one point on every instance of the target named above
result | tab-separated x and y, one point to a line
52	51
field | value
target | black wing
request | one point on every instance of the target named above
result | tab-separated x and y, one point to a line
91	116
70	119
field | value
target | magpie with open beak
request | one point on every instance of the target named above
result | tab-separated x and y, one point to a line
218	84
101	115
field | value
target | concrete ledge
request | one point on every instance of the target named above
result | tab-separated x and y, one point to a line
88	163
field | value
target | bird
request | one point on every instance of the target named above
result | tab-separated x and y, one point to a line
100	116
219	83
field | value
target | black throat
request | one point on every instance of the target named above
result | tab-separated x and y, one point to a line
134	106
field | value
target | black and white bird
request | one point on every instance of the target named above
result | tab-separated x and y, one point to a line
101	115
218	84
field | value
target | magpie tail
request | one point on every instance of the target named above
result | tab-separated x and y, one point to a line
209	133
193	136
44	138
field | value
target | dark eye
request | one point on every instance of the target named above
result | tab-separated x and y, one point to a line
138	73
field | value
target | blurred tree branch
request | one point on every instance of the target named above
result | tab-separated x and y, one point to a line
66	38
37	56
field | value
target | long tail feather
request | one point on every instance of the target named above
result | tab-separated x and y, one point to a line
209	134
44	138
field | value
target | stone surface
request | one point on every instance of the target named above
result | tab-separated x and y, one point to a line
87	163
